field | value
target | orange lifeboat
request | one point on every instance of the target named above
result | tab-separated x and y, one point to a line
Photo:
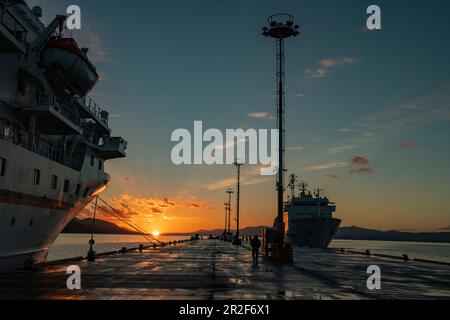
68	68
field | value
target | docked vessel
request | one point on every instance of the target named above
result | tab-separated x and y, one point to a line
54	139
310	218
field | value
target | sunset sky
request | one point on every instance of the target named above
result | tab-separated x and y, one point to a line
368	112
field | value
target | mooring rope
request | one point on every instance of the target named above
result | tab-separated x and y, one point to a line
126	221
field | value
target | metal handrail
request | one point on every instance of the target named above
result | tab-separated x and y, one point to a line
34	143
92	107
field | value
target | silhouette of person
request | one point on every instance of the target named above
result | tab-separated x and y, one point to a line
256	245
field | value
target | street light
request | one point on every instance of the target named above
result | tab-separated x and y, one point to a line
237	240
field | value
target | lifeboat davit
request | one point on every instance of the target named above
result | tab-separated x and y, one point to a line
68	68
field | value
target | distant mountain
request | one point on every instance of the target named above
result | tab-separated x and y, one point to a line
356	233
351	233
101	227
345	233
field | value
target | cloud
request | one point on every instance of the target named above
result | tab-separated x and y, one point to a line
362	170
142	211
360	165
406	145
231	182
298	148
345	130
97	50
359	161
326	65
260	115
445	228
332	63
327	166
317	73
339	149
333	176
409	115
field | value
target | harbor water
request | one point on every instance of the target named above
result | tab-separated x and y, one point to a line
74	245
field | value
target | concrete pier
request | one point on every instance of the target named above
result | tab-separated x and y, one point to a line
214	270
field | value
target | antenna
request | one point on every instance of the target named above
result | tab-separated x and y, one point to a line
293	179
303	186
318	192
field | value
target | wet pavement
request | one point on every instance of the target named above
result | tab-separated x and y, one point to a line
213	270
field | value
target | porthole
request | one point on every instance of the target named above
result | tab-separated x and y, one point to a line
31	223
13	221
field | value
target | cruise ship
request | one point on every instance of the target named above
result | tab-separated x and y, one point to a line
310	218
54	139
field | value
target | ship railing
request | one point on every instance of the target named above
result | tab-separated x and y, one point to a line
66	112
93	108
13	133
12	24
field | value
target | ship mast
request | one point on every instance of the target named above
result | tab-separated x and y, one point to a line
293	184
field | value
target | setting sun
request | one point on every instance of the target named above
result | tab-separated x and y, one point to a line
156	233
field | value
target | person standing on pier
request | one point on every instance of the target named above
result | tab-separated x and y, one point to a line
256	245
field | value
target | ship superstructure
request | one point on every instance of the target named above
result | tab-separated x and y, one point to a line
54	139
310	217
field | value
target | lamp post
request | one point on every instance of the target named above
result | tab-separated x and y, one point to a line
281	27
225	230
237	240
229	192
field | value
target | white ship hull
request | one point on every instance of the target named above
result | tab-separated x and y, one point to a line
32	216
53	145
313	232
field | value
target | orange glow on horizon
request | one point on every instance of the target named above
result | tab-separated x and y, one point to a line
156	233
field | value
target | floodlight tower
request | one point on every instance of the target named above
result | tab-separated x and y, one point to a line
281	27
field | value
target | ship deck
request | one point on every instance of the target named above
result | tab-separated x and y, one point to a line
214	270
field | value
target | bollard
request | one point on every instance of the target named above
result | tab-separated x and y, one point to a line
91	253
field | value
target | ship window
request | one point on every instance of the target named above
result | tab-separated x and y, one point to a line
66	185
54	182
100	164
2	167
92	161
31	223
36	177
77	190
13	221
85	193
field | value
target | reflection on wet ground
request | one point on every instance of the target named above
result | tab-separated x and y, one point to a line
211	269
